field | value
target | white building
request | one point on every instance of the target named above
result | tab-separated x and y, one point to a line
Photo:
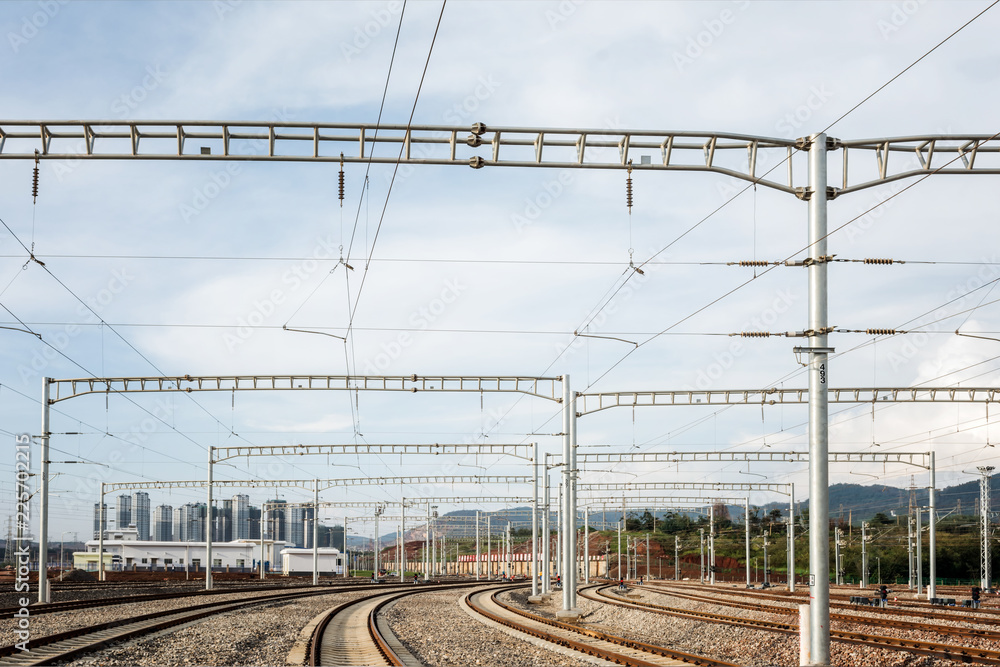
123	552
300	561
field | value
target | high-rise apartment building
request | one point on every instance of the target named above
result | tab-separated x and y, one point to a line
140	514
100	519
163	523
123	512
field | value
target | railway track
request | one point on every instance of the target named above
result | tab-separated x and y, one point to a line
75	605
974	633
67	645
945	651
586	640
841	600
352	634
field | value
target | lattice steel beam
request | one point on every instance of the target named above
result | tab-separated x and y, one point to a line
226	453
918	459
590	403
697	501
324	483
686	486
465	500
745	157
542	387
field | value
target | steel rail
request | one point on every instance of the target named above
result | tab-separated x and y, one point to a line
73	605
909	608
583	647
945	651
848	618
65	645
374	633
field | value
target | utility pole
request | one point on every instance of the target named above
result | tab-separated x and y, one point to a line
701	551
711	544
909	549
620	576
677	558
984	526
864	554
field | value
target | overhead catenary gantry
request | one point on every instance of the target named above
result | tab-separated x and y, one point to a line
315	485
924	460
588	403
749	158
746	157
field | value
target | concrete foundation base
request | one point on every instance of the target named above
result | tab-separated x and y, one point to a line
537	599
568	615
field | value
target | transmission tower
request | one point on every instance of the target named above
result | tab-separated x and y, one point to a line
984	526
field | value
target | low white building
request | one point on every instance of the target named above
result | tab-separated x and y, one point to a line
130	554
300	561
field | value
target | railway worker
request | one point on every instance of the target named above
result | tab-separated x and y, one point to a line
883	595
975	596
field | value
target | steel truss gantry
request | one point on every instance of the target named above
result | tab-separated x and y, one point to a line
906	458
315	485
775	487
924	460
746	157
513	449
595	402
541	387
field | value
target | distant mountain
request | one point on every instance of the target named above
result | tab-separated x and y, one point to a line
855	502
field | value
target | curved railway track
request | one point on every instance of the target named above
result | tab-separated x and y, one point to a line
66	645
945	651
586	640
75	605
352	634
975	633
920	608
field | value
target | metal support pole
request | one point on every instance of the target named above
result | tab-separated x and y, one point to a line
401	543
547	541
677	558
836	555
767	575
932	535
489	548
864	554
647	555
100	537
569	589
586	546
791	539
315	536
260	529
909	551
984	525
920	551
427	538
208	522
559	531
819	477
478	557
568	544
43	527
701	552
508	554
746	516
534	522
711	545
620	576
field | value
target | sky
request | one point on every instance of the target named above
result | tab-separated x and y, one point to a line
167	268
